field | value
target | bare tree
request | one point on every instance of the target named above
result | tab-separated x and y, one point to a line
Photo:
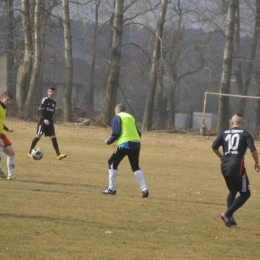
227	66
67	106
148	112
177	51
257	108
114	72
11	68
23	85
37	61
160	100
93	63
243	82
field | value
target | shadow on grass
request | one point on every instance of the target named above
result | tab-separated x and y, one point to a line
40	217
58	183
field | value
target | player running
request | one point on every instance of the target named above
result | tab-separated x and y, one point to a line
235	143
46	125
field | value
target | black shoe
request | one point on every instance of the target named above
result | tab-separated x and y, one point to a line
108	191
232	221
227	220
145	194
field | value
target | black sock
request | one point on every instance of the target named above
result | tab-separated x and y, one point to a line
34	142
55	145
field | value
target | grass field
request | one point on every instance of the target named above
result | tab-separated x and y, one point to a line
55	209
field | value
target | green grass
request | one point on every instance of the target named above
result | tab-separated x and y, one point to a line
55	209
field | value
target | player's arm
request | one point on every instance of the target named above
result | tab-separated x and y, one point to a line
216	144
43	111
255	157
116	130
218	153
254	153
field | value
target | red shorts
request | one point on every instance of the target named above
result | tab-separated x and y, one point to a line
5	140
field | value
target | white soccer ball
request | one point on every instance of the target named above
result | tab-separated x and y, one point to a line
37	153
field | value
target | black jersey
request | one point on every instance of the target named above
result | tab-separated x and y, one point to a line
47	109
234	143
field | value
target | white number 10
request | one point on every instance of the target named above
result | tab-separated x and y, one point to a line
233	141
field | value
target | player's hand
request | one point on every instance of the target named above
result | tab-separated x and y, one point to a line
10	130
105	141
257	167
46	122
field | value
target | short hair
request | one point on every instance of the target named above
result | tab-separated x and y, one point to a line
238	119
6	94
120	107
51	88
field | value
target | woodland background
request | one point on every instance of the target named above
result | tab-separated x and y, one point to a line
158	57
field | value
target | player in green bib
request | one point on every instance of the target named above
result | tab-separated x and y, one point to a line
125	132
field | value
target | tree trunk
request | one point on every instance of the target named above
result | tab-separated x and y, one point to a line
257	114
148	111
243	86
23	85
257	109
11	80
160	101
37	62
67	106
171	122
223	113
114	72
93	64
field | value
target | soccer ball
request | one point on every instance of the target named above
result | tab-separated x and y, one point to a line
37	153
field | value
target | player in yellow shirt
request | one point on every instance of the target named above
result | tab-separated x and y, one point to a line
5	144
128	137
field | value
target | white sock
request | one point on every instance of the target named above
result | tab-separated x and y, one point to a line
140	177
10	165
112	179
1	153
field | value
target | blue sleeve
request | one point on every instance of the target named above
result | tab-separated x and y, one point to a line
116	130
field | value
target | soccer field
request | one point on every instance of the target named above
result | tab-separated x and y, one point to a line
55	211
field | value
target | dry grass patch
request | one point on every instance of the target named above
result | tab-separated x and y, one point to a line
55	209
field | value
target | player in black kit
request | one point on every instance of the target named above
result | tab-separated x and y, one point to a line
45	124
234	143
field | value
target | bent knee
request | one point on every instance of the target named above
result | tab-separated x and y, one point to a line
246	194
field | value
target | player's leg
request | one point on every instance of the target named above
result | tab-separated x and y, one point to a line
133	156
39	133
9	151
56	148
240	184
51	133
113	163
230	199
2	175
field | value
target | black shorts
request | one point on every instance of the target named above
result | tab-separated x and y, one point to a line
119	154
47	130
238	184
